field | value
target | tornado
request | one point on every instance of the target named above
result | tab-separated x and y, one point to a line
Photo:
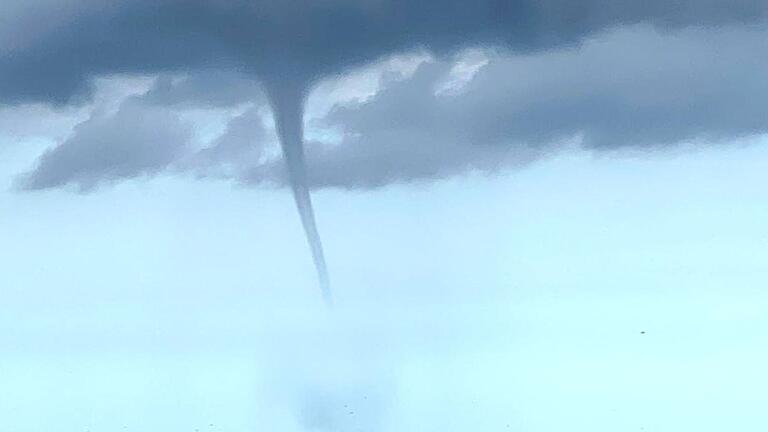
287	103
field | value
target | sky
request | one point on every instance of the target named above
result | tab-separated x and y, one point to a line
534	218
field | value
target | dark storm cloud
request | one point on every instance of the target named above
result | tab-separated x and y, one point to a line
646	86
58	47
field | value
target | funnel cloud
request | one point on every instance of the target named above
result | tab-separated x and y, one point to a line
288	107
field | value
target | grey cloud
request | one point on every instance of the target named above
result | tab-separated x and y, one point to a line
294	42
136	141
558	74
241	145
205	88
696	85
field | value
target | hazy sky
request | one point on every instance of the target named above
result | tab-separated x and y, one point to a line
173	304
536	218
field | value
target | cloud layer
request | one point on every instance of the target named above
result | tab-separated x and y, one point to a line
693	86
606	74
298	40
